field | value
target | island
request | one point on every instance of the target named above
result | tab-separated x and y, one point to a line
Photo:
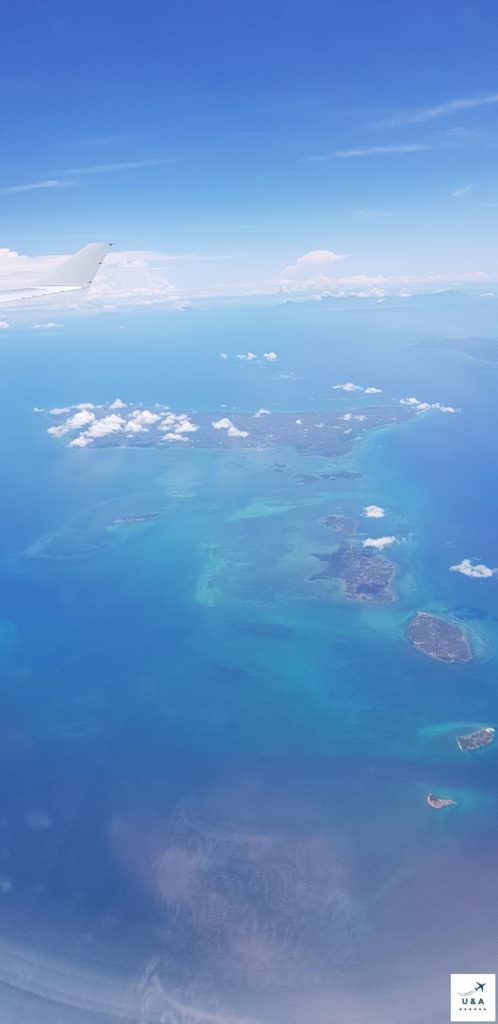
89	426
474	740
438	638
438	802
144	517
366	576
340	523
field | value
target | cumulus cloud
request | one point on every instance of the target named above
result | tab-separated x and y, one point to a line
419	406
132	427
130	278
80	419
476	570
235	432
270	357
373	391
81	441
76	422
378	543
4	326
373	511
110	424
248	356
170	436
145	417
117	404
226	424
349	386
223	424
262	412
314	258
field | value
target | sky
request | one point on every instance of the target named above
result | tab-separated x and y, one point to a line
232	149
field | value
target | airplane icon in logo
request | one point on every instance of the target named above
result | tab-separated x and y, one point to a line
480	986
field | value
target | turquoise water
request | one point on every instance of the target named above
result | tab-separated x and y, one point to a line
214	770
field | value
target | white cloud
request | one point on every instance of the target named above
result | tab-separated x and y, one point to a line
110	424
4	326
316	257
185	426
378	543
440	110
249	356
132	427
223	355
299	423
424	406
235	432
374	512
117	404
270	357
145	417
32	186
80	419
409	401
57	431
373	391
223	424
81	441
226	424
458	193
133	278
60	410
262	412
76	422
128	165
49	326
476	570
349	386
170	436
386	150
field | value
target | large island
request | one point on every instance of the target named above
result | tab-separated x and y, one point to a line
438	638
366	576
330	433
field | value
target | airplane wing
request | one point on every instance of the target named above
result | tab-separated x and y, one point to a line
74	273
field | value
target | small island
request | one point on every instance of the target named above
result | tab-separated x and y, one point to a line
141	518
474	740
438	638
366	576
438	802
340	524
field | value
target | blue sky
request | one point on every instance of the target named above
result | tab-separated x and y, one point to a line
250	134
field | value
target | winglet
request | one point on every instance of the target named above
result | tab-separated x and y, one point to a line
79	270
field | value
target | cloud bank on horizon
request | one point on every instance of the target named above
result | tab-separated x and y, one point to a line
139	278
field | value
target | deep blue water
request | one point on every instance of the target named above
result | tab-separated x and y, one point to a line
214	771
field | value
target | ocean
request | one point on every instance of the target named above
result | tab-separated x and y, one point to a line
214	769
